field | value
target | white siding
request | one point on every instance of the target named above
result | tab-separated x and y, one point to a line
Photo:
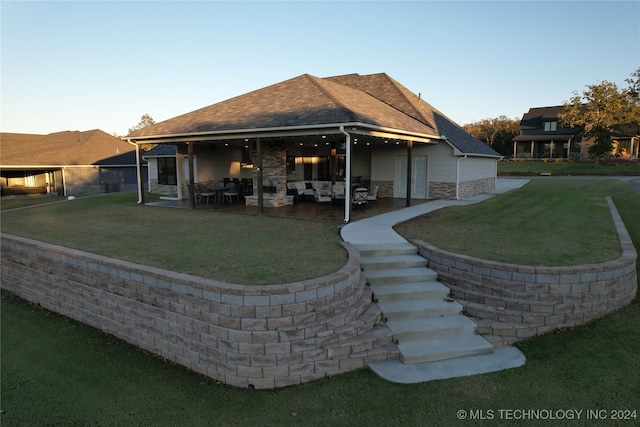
442	163
153	168
383	163
475	168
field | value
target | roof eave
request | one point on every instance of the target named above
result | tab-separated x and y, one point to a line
460	153
284	131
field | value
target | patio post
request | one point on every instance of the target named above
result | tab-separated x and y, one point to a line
192	190
347	176
259	177
140	175
409	172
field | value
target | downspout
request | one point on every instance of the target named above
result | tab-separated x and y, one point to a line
347	183
458	176
138	172
64	183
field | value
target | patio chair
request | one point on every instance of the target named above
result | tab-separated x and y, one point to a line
360	195
373	195
230	193
337	191
320	197
203	192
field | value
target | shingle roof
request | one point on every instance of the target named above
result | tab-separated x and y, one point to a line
395	94
93	147
162	150
533	118
307	100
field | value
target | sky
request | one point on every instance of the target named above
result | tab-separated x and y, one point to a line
83	65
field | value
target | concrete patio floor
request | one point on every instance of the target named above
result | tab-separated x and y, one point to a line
307	209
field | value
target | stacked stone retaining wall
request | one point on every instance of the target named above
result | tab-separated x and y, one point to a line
512	302
245	336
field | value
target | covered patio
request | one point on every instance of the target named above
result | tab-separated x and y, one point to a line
353	130
545	147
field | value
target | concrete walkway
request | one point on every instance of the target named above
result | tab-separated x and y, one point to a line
378	231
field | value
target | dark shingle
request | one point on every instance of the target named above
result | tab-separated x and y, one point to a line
65	149
306	100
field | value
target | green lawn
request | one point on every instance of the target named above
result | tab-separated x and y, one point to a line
242	249
561	167
548	222
24	201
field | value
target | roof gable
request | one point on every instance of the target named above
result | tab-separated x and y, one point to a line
398	96
302	101
535	117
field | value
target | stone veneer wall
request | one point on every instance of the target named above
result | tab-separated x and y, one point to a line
92	190
442	190
274	174
512	302
245	336
164	190
479	186
385	188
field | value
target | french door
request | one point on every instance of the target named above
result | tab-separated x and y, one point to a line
418	177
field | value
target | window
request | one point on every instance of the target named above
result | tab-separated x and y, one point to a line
167	171
550	126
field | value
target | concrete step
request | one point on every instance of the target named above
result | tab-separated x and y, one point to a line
395	371
408	291
431	327
370	250
392	262
401	275
433	349
416	308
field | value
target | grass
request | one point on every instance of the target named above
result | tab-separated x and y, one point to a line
242	249
561	167
548	222
56	371
26	201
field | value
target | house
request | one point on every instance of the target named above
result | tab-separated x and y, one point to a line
67	163
352	128
543	136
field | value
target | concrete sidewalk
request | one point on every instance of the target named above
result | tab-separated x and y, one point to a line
379	229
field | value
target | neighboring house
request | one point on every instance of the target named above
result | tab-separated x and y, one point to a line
542	136
67	163
368	129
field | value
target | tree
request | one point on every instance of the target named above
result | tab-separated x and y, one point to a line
145	120
498	133
601	110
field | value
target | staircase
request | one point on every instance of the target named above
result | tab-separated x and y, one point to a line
427	324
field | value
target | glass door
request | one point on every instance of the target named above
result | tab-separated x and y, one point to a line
418	177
